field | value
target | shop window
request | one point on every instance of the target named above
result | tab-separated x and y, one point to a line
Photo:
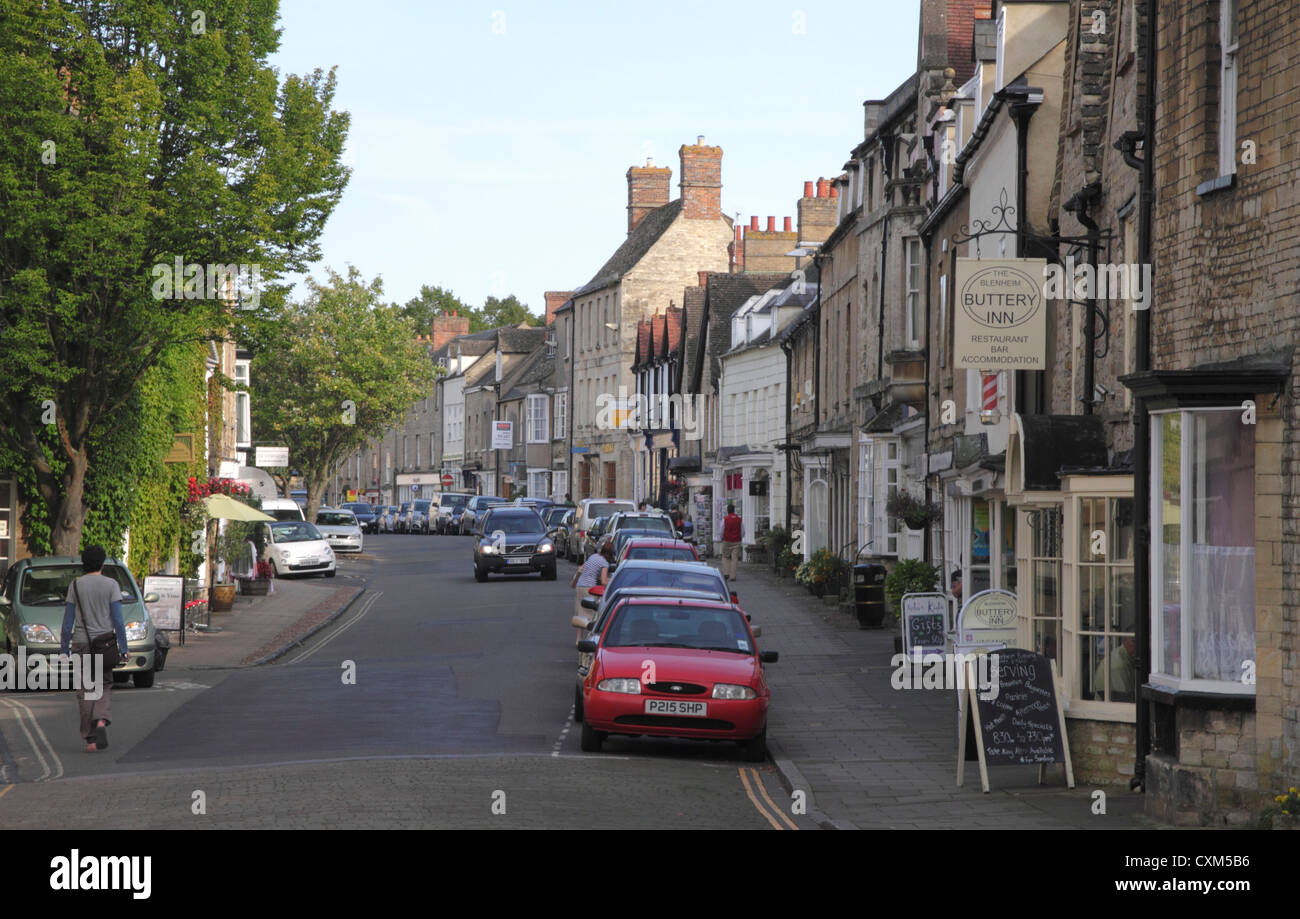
1042	602
981	533
1203	550
1107	608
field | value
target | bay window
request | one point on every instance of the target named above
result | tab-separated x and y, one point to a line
1203	549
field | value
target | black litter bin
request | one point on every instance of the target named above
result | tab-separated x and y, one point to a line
869	595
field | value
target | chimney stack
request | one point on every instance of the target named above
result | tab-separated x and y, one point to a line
701	181
704	278
444	328
554	300
648	187
816	212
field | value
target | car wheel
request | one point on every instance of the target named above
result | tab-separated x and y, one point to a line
120	678
142	680
591	739
275	571
577	703
755	749
548	574
331	572
479	574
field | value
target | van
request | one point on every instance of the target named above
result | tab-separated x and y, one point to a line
283	509
591	510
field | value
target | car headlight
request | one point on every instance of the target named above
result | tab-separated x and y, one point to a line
487	548
137	631
732	691
620	684
39	635
546	546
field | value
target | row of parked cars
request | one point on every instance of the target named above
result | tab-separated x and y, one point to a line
665	648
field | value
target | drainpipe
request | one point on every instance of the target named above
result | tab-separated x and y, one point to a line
925	442
1078	205
1022	112
789	390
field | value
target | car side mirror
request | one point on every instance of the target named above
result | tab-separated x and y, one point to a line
589	603
735	598
151	597
587	646
768	657
581	622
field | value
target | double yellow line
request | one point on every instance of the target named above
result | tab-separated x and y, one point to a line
751	782
4	791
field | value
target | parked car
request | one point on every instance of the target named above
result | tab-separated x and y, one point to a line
655	549
448	502
421	508
403	518
590	510
596	534
563	530
628	534
297	547
367	515
474	510
554	515
32	601
653	574
512	540
647	521
340	529
708	681
283	509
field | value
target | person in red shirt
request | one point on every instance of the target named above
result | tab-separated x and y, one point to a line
733	532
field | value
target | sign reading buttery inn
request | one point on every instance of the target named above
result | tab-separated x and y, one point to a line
1000	317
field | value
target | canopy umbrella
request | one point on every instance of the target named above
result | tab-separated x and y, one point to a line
224	507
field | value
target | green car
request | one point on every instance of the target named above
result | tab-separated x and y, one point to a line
31	612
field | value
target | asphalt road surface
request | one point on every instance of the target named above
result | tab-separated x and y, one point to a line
460	716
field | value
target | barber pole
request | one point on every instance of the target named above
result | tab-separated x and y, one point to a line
989	413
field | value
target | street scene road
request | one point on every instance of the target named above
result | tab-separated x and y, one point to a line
460	716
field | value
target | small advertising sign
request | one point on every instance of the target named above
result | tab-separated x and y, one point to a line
166	610
503	435
1000	314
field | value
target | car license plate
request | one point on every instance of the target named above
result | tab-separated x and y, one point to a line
676	707
309	560
518	561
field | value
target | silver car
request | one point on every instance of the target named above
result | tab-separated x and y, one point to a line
340	529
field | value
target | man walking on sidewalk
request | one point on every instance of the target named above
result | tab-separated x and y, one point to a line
733	532
92	624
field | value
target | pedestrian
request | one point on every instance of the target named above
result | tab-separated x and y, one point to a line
955	586
733	531
568	500
594	571
93	627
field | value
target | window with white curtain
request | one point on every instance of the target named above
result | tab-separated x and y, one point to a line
537	419
912	275
560	478
561	415
1203	549
1228	87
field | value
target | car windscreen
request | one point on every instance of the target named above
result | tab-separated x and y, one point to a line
606	510
513	524
660	554
554	515
336	519
655	524
684	578
49	586
284	513
294	532
359	508
627	534
677	626
453	500
422	505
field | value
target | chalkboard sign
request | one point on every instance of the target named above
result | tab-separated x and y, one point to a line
925	622
1019	724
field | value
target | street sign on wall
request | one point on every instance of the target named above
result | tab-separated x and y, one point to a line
1000	314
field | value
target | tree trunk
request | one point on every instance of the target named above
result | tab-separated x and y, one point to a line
70	513
315	482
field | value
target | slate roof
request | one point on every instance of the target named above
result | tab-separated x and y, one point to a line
634	248
724	294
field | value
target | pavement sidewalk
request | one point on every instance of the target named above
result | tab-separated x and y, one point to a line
261	628
873	757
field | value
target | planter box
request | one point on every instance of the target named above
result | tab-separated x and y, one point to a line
222	598
252	587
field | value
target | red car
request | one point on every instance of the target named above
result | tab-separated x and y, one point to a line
676	668
658	549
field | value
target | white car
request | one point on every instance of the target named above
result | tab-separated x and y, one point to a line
297	547
340	529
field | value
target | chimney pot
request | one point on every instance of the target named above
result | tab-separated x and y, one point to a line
704	278
771	224
699	140
822	187
835	192
807	189
788	227
753	224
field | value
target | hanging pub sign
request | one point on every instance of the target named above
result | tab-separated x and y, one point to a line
1000	317
987	621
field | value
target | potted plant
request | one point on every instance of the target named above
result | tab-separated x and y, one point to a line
823	572
777	541
909	576
787	563
914	513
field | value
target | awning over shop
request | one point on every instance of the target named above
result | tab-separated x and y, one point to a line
1041	445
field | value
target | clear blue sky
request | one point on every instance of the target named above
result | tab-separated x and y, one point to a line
490	140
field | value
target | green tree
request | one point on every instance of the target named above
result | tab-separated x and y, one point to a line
434	301
506	312
347	367
134	136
